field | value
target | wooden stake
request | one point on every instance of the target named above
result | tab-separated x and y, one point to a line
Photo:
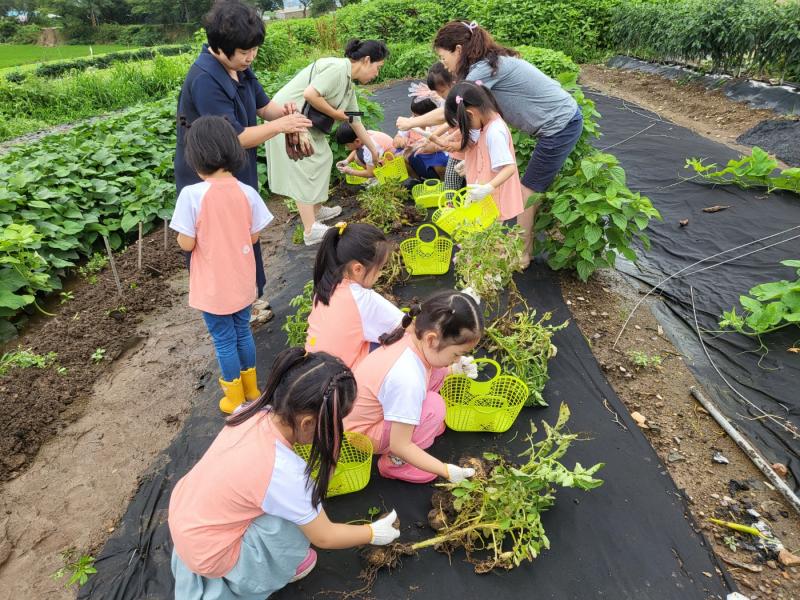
113	266
165	234
139	256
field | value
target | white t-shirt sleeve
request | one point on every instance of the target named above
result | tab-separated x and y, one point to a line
403	390
378	315
368	154
498	144
289	493
187	207
261	215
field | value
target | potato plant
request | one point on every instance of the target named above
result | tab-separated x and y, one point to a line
488	259
768	307
383	204
522	345
496	516
296	325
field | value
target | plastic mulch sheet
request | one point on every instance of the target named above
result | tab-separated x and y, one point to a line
653	152
630	538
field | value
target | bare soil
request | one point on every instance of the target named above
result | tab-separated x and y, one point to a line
684	435
707	112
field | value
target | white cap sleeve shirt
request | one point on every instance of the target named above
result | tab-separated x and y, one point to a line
378	315
498	144
403	390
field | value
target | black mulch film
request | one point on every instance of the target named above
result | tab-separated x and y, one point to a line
653	158
781	138
784	99
632	538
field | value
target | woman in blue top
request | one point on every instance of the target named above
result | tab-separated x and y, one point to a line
530	101
221	83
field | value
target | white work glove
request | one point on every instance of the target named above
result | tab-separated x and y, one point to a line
472	294
478	191
383	531
456	474
465	366
460	168
341	166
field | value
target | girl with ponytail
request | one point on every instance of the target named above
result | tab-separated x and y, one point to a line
241	520
398	406
490	162
347	315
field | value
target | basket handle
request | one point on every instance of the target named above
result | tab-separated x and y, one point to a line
427	226
456	198
494	363
387	156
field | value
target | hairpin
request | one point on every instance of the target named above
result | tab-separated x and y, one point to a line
459	99
341	225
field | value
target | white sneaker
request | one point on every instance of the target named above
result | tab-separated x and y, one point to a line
315	236
328	212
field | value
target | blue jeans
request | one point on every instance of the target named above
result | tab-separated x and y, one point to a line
233	342
550	154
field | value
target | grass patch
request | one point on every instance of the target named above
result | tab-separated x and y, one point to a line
12	55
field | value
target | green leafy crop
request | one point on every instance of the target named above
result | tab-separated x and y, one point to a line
296	325
756	170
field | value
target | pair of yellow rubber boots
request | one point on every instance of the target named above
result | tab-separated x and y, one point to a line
245	387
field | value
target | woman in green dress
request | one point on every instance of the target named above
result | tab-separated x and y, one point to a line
328	86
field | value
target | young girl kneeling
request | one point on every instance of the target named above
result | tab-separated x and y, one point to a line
218	221
398	406
347	315
241	520
490	163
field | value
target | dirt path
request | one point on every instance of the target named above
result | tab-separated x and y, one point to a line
73	487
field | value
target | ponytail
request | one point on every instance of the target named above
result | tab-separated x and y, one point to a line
342	244
389	338
303	383
476	44
466	95
454	316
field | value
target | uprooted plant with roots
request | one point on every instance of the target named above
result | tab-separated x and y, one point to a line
496	516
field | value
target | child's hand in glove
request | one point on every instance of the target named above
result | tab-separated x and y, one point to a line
460	168
472	294
384	531
341	166
465	366
456	474
478	191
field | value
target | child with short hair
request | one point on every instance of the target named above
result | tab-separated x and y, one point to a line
218	220
346	137
398	406
347	315
489	158
425	163
242	518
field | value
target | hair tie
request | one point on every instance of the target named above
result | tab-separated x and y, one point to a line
341	226
459	100
479	82
472	25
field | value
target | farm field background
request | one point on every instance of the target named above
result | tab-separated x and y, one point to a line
12	55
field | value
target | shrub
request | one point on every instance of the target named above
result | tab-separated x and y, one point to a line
391	20
550	62
8	28
407	60
26	34
58	68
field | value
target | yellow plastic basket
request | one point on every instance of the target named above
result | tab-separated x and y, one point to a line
354	465
457	220
426	194
393	169
355	179
490	406
427	258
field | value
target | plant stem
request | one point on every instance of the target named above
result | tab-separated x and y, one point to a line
449	536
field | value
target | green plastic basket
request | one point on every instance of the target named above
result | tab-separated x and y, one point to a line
426	194
393	169
457	220
354	465
355	179
490	406
427	257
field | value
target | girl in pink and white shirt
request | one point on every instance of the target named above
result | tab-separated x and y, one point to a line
242	518
347	315
490	163
398	405
218	220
